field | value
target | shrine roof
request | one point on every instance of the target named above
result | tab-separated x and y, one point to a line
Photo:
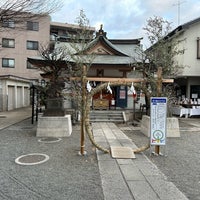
110	59
99	59
103	50
123	51
105	42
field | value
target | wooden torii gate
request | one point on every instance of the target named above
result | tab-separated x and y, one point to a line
118	81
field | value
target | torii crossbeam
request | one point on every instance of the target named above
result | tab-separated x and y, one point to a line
84	79
123	80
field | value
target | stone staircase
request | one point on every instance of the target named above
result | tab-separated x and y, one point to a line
115	116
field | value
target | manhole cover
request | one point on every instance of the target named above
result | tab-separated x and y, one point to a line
49	140
32	159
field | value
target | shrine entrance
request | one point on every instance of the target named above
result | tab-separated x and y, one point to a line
121	96
105	100
102	100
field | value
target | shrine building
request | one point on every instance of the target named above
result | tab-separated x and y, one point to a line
113	58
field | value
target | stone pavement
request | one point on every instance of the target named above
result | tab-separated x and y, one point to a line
9	118
137	179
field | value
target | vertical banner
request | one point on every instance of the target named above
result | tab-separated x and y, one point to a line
158	120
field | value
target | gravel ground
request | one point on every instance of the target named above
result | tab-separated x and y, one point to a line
181	160
66	175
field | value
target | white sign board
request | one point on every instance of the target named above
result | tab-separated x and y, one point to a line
158	120
194	96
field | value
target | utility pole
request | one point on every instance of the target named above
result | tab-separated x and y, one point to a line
178	4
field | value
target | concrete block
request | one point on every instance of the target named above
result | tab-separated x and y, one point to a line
172	126
49	126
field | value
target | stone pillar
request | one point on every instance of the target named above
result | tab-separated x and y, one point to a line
54	126
55	107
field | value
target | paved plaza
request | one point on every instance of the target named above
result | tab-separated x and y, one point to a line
66	175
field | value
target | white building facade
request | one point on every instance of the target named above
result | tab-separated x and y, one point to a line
189	78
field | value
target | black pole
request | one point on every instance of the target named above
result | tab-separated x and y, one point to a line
33	96
37	105
134	117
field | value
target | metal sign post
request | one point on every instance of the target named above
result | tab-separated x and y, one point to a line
158	120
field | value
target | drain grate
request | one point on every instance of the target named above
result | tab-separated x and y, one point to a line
32	159
49	140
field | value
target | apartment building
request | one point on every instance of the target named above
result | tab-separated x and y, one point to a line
18	42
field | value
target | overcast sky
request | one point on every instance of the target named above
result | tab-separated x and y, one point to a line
125	19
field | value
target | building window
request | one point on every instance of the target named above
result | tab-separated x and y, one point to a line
198	48
33	26
32	45
6	42
195	92
8	62
8	23
30	66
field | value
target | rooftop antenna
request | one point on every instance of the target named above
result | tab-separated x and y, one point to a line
178	4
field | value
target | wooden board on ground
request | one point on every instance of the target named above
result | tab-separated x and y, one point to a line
122	152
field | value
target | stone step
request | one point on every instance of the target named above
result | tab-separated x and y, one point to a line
107	120
106	116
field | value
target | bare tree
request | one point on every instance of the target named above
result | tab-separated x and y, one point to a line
17	11
163	48
62	60
80	45
162	53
